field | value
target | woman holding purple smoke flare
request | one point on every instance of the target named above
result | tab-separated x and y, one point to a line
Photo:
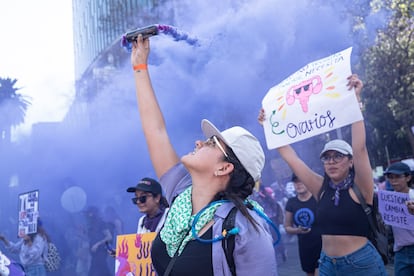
204	186
342	222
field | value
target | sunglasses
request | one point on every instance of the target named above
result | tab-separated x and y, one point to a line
213	141
305	88
336	157
140	199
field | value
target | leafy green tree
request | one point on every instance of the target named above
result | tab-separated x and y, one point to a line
388	68
13	107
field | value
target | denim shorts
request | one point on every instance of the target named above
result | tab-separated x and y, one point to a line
404	261
364	262
35	270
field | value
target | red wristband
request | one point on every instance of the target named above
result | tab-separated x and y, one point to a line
141	66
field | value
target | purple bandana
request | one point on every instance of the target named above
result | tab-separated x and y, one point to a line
151	223
343	185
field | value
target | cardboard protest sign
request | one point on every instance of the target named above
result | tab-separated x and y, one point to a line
28	213
133	254
312	101
393	210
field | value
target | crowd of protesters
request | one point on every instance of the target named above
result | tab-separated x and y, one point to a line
198	192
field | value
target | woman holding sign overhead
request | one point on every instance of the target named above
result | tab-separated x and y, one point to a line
343	224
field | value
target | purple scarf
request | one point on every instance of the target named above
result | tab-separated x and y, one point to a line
343	185
151	223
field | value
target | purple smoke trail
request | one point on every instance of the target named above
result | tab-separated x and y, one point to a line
177	34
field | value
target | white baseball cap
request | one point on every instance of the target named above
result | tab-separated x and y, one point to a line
339	146
245	146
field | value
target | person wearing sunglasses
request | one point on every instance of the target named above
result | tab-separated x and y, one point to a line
203	186
342	222
150	202
399	176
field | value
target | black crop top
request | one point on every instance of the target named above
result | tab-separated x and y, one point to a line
196	258
348	218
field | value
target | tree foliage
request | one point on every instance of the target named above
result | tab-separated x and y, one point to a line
13	107
388	69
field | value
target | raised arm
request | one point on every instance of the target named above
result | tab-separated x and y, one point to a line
313	180
363	170
13	247
162	153
5	240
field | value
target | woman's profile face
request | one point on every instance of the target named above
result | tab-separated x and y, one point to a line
336	165
208	156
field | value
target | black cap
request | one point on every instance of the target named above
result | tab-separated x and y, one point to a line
398	168
147	185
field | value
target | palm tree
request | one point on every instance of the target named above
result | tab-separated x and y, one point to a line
13	108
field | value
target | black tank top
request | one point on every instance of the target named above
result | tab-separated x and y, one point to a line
348	218
196	258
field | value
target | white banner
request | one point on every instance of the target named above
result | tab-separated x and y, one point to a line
312	101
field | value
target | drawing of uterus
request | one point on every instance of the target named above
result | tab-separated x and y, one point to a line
303	91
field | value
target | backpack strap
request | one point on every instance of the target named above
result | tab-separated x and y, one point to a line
379	237
366	208
324	186
228	242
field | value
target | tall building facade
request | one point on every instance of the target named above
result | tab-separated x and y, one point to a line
98	26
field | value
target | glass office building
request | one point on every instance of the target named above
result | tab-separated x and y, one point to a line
97	24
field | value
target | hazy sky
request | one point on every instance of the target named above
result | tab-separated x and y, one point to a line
37	49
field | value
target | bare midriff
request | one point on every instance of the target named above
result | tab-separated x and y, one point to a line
337	246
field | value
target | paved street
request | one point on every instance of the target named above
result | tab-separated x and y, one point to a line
292	265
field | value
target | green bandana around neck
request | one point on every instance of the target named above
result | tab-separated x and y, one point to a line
176	231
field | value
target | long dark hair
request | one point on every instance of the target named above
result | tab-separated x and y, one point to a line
163	201
240	186
40	231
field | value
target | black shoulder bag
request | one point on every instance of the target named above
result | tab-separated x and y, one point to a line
228	242
378	239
